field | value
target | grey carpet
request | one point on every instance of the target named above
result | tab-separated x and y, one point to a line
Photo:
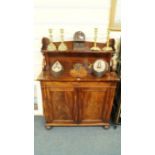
75	140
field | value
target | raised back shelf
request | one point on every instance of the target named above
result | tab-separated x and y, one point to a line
70	57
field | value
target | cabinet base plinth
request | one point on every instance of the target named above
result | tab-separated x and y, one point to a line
106	125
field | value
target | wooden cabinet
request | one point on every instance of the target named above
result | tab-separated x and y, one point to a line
77	103
70	101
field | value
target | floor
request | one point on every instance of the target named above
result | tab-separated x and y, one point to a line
75	140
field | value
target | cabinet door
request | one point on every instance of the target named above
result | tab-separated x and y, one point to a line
94	105
60	105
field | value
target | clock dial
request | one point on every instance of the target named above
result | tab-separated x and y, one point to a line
57	67
99	65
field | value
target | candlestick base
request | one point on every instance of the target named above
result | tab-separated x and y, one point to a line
95	48
107	48
62	47
51	47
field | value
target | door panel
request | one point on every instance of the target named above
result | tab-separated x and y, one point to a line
92	103
60	105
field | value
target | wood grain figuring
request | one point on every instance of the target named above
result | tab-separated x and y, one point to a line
91	102
77	103
60	105
110	103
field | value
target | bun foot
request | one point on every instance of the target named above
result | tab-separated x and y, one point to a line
115	126
106	126
48	127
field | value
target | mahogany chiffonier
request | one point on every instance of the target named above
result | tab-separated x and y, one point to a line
69	101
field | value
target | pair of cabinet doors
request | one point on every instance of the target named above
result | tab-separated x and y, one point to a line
77	104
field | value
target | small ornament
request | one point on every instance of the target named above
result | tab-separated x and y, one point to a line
108	48
62	46
100	67
79	41
78	71
57	69
95	47
51	46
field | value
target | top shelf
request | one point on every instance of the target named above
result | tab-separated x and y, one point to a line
81	51
88	45
72	53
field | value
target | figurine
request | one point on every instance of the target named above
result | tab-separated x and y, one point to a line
78	71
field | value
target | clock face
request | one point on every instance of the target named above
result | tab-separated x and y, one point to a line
99	65
79	36
57	67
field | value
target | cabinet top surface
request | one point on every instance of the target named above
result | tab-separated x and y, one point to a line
108	77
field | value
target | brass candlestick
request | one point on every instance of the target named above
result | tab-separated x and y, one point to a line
107	48
95	47
62	46
51	46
